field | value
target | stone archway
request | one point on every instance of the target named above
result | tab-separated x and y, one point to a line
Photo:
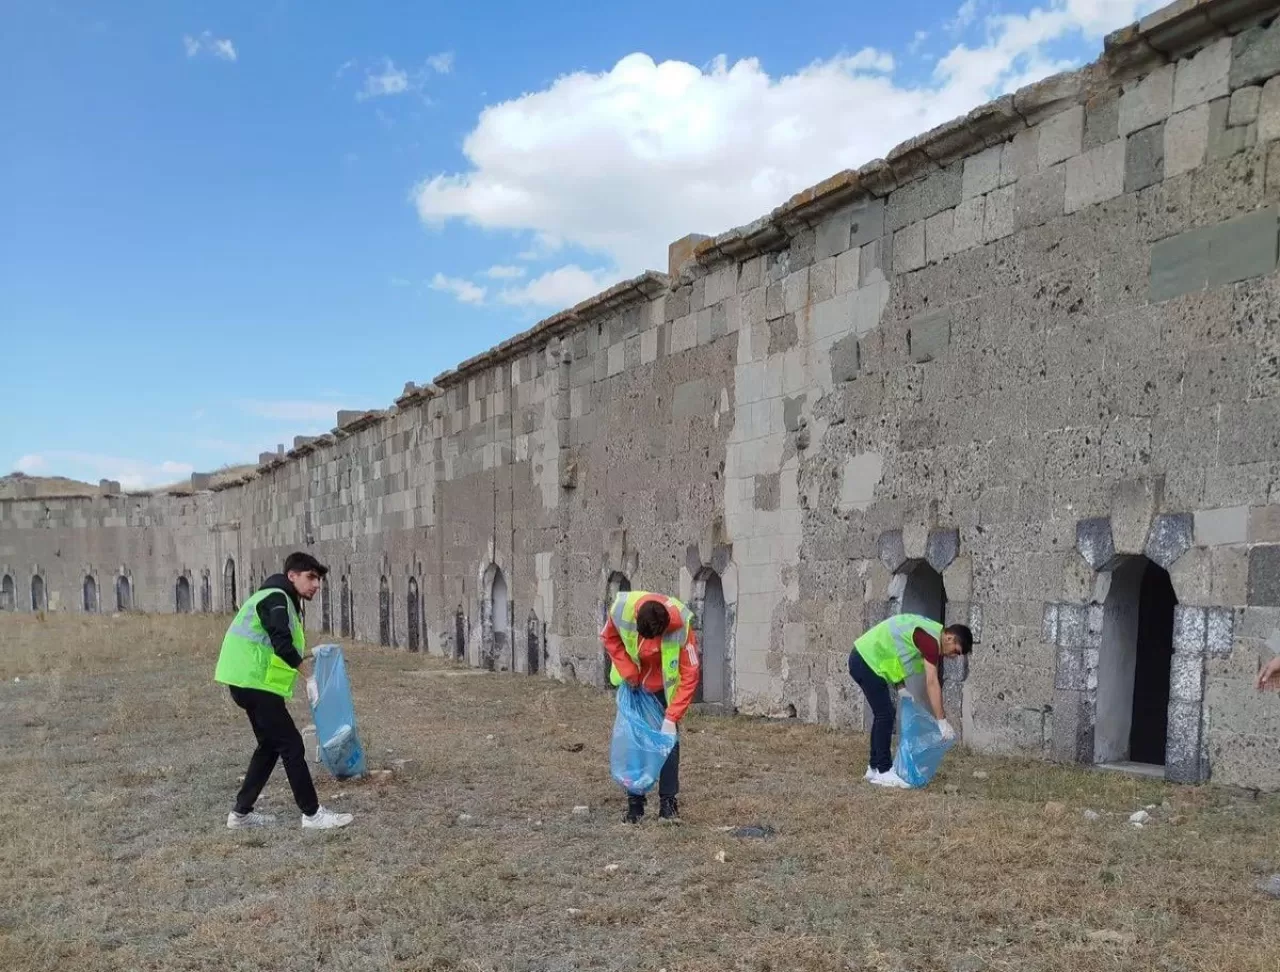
459	634
495	621
89	594
384	611
124	594
230	604
206	593
712	622
413	615
7	600
326	606
182	595
1132	649
533	645
38	596
344	609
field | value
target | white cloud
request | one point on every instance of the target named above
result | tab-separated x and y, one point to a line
441	63
292	410
917	41
622	162
221	48
965	16
31	464
464	290
90	467
501	272
389	80
562	287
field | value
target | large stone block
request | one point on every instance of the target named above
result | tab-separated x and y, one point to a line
1243	108
999	220
893	551
970	216
866	221
929	335
1101	119
1061	136
833	234
1040	198
1095	176
1072	727
939	236
909	248
1184	761
941	548
982	172
1215	528
1204	76
1190	630
1186	140
925	197
1095	543
1144	158
1269	111
1255	55
1171	536
1231	251
1133	506
1264	576
1147	101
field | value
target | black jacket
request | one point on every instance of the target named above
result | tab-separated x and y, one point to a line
273	612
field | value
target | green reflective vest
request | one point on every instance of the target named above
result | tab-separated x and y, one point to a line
889	651
247	659
623	614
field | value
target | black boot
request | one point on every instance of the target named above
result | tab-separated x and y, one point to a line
635	809
669	809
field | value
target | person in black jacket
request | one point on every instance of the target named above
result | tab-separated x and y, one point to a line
278	738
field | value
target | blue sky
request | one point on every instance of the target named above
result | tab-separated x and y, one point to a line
223	221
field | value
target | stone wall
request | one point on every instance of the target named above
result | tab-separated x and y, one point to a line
998	367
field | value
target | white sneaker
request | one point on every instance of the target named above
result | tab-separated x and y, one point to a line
251	819
869	774
890	779
324	819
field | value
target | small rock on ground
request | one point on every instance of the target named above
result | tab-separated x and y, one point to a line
1139	818
979	774
581	811
951	789
1271	886
757	831
1054	809
1091	815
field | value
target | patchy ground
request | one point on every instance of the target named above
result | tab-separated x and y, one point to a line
121	757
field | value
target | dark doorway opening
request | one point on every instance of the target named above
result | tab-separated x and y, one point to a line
618	583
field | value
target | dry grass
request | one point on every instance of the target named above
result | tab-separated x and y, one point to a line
121	757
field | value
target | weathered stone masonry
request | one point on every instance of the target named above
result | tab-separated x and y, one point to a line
1023	372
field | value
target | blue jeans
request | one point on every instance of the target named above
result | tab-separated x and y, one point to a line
880	698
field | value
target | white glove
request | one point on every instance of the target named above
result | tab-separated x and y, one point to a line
313	692
947	732
668	727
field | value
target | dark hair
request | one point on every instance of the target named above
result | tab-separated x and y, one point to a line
652	620
300	563
962	635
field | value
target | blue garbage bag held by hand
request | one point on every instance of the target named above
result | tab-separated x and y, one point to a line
334	712
920	743
640	747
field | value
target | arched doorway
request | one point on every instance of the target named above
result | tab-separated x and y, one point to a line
459	634
413	615
206	594
38	601
6	593
182	596
90	594
124	594
326	611
618	583
344	608
495	620
924	594
229	602
533	648
713	640
1134	665
384	612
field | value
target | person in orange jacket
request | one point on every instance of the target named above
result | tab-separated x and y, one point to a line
651	642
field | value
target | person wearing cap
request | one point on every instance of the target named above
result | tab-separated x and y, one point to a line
650	640
262	651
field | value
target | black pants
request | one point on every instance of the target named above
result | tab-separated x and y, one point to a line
669	778
880	698
278	738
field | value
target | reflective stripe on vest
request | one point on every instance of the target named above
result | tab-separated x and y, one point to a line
623	614
248	660
888	648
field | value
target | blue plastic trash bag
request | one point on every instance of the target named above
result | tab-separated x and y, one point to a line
920	744
639	747
334	713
